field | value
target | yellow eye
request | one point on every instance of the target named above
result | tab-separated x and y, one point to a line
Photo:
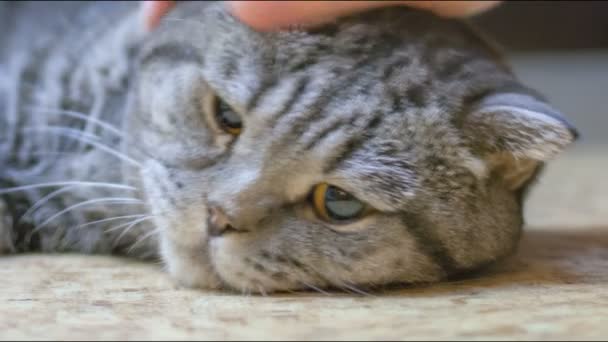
335	205
228	120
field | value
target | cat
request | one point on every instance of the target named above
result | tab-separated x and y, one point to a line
387	147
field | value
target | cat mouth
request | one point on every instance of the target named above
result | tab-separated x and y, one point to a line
218	224
215	232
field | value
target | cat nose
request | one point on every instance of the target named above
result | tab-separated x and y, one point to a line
218	223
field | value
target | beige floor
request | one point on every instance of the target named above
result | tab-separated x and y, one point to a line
555	288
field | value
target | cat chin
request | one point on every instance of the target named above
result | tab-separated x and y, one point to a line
183	233
189	267
194	268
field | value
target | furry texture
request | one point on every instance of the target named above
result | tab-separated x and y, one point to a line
415	116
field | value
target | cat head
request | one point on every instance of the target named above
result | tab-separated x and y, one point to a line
391	146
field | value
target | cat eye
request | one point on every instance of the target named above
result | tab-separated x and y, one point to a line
335	205
228	120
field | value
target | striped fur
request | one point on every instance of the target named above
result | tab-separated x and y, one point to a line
404	110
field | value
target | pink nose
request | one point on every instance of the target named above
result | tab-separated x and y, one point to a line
218	222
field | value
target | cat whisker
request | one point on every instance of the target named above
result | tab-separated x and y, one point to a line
48	153
261	290
77	135
108	200
341	285
108	220
291	291
80	116
120	226
143	238
40	153
319	276
315	288
129	227
355	289
65	131
67	183
45	200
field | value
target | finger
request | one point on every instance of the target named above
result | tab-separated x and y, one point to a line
154	11
271	15
453	8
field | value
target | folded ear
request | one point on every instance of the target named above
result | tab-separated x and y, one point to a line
520	124
515	131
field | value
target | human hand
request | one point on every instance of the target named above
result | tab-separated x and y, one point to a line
273	15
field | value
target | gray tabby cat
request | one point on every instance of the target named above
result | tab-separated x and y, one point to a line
388	147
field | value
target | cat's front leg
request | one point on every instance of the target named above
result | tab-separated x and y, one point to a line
6	233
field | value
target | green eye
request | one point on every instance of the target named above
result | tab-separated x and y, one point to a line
227	119
333	204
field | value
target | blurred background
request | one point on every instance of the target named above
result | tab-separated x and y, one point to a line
561	49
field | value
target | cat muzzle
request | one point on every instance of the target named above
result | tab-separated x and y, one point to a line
218	223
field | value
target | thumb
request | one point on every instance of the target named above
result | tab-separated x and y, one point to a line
272	15
154	11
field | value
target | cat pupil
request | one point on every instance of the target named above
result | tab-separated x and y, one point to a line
341	205
227	117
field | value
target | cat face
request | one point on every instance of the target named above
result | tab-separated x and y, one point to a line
388	147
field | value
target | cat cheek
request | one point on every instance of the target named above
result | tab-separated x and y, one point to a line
177	216
228	261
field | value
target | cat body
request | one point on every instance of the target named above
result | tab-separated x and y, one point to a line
388	147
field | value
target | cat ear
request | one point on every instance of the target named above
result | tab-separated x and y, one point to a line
523	125
517	130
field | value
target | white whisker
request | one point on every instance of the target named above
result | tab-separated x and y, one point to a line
341	285
261	290
130	226
355	290
143	238
81	137
109	200
122	225
315	288
107	220
84	117
66	183
45	199
65	131
42	153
